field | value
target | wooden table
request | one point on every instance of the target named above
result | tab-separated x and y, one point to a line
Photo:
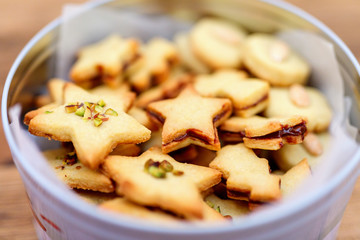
21	19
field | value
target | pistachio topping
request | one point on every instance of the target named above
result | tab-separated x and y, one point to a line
210	204
160	169
47	112
91	111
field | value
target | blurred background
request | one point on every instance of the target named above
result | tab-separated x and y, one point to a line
22	19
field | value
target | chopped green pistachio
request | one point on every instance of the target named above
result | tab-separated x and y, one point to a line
49	112
87	104
70	108
80	111
97	122
111	112
178	173
148	163
156	172
218	209
101	103
210	204
87	113
98	108
166	166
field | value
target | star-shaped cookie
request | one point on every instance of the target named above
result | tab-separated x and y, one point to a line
248	177
190	119
177	190
248	95
95	125
103	61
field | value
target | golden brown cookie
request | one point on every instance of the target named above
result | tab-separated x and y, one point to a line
264	133
158	57
317	111
131	150
155	179
190	119
249	96
294	177
95	125
228	207
247	176
271	59
218	43
75	174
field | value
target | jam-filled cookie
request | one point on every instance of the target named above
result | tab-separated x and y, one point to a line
271	59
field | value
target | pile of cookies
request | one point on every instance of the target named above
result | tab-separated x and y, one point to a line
185	130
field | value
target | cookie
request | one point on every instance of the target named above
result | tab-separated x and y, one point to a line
228	207
294	177
95	125
189	119
145	181
47	109
218	43
187	55
55	87
318	112
103	62
170	88
264	133
159	56
75	174
271	59
131	150
94	197
249	96
140	115
290	155
247	176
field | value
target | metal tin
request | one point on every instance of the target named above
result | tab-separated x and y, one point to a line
75	220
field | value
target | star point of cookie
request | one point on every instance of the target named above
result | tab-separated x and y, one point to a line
190	119
177	189
95	125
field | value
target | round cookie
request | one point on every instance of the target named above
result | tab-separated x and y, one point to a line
271	59
187	56
218	43
317	112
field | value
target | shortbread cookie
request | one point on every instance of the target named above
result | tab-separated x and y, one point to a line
155	179
170	88
140	115
190	119
95	125
248	96
103	61
131	150
218	43
247	176
294	177
228	207
55	87
271	59
75	174
94	197
264	133
47	109
290	155
318	112
159	55
187	55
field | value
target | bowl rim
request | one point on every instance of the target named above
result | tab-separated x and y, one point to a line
88	210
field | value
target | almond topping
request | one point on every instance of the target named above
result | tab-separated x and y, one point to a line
299	95
226	35
279	51
313	145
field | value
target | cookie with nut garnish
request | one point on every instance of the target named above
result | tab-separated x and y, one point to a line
190	119
249	96
104	61
95	125
155	179
312	149
273	60
73	173
218	43
247	176
308	102
264	133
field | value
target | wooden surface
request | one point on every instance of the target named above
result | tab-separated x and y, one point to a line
21	19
